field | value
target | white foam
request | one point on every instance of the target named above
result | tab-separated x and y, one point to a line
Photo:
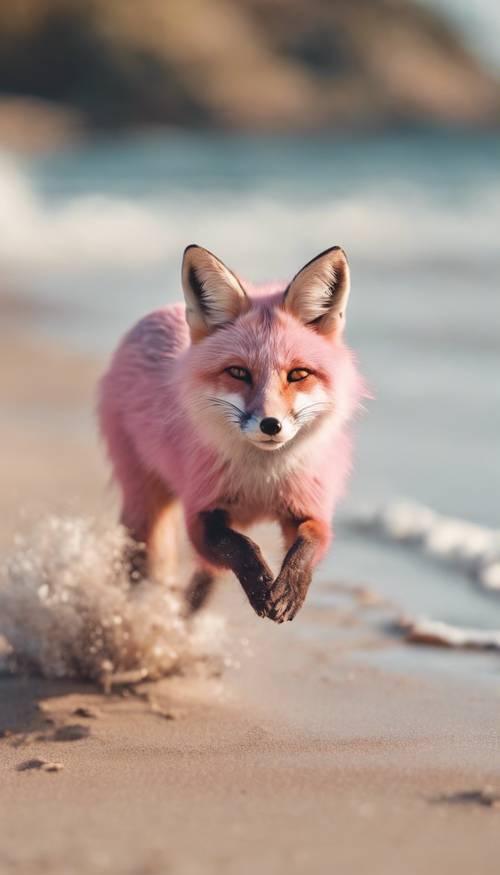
87	231
67	609
425	631
472	548
96	231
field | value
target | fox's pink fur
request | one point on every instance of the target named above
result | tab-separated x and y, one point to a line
163	433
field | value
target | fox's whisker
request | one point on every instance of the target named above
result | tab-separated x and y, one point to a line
311	411
222	402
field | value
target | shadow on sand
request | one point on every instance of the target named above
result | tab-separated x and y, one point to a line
21	710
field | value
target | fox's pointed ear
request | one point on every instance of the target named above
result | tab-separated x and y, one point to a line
214	296
318	294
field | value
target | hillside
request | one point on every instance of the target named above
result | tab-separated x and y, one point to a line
264	65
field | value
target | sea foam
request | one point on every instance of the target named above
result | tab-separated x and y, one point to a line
472	548
467	546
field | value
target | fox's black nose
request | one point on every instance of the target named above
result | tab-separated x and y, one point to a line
270	425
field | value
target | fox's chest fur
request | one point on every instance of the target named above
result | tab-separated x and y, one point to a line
253	489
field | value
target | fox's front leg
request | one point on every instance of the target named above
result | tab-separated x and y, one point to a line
222	547
309	540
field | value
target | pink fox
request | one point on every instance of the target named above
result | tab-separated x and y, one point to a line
237	406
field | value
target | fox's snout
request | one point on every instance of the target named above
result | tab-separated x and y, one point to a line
273	416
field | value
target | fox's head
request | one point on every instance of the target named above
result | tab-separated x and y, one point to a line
267	366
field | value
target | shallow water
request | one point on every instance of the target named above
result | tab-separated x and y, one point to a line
99	232
407	581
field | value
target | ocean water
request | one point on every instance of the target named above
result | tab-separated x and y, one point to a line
98	233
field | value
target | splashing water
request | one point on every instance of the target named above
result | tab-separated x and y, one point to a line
68	609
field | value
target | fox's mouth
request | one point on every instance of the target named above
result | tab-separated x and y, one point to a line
269	443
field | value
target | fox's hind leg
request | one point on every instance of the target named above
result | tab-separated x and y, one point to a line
199	589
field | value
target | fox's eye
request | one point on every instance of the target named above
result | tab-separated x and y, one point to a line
297	374
239	373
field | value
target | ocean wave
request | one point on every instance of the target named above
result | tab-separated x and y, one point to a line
264	233
472	548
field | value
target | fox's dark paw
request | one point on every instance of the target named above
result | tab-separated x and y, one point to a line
258	594
256	580
285	599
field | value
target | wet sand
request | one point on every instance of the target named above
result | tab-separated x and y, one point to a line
296	758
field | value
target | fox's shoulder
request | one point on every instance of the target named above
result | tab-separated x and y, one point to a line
161	333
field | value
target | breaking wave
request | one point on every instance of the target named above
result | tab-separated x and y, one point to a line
472	548
85	232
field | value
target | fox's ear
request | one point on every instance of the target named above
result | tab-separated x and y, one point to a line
214	296
318	294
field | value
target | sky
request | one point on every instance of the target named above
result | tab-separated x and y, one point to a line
479	21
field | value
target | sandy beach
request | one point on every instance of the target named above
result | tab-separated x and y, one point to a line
292	755
363	738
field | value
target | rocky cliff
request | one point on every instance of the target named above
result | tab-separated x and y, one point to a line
244	64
